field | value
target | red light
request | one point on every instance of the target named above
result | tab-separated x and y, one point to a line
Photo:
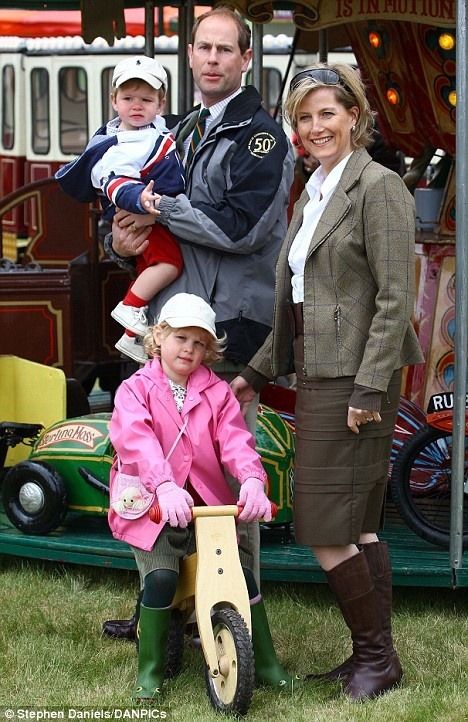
393	96
375	40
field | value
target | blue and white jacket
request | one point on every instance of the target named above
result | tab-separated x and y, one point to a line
121	164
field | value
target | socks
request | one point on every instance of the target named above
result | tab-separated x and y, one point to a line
131	299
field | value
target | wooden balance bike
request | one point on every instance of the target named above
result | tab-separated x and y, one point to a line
212	584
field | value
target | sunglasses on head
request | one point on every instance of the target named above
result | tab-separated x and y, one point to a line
327	76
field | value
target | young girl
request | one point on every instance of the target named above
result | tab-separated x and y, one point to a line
175	427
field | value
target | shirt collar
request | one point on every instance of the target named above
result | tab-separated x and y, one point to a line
324	184
218	108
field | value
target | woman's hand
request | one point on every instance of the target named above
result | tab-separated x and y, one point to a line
130	232
243	392
356	417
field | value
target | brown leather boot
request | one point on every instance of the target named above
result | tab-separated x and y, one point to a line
378	560
374	669
337	674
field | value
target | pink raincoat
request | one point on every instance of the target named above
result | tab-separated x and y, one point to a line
145	424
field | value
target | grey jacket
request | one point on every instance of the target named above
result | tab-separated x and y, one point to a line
358	283
232	220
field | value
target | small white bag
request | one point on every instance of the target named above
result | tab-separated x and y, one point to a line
128	497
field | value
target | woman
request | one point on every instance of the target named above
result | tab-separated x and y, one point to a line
344	299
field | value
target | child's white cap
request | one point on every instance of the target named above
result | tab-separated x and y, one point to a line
186	309
142	67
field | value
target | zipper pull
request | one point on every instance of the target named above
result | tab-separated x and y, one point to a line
337	317
337	314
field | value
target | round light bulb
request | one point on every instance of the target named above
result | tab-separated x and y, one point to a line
393	96
446	41
375	40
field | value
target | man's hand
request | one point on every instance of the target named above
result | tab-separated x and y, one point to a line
243	392
130	232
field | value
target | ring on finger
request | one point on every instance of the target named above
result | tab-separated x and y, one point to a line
134	228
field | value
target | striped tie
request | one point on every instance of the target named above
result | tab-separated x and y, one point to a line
197	134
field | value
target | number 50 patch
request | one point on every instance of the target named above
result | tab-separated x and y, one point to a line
261	144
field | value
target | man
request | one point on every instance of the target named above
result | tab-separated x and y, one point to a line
233	216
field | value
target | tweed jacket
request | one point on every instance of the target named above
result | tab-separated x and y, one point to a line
358	283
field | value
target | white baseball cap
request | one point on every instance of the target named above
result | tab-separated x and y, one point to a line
142	67
186	309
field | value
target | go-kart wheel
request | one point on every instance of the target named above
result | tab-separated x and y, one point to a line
34	497
231	691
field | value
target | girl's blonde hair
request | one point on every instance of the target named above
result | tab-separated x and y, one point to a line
349	92
214	346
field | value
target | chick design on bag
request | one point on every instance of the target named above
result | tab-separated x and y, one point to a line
130	499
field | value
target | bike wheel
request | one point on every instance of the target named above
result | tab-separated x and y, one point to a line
175	645
231	691
421	484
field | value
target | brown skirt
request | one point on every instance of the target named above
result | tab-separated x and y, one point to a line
340	477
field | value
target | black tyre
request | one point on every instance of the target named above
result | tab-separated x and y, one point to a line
175	645
34	497
231	691
421	484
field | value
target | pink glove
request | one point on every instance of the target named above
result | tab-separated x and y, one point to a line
175	504
254	500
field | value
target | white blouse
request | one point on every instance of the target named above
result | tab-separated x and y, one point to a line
320	189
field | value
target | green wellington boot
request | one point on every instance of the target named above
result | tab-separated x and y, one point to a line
153	631
268	669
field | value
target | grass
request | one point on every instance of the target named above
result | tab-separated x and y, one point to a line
52	653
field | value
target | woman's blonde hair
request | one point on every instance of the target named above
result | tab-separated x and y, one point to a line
349	92
214	346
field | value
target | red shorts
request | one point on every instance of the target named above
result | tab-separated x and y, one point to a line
163	248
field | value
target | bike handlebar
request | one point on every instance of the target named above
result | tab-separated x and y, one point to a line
197	511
